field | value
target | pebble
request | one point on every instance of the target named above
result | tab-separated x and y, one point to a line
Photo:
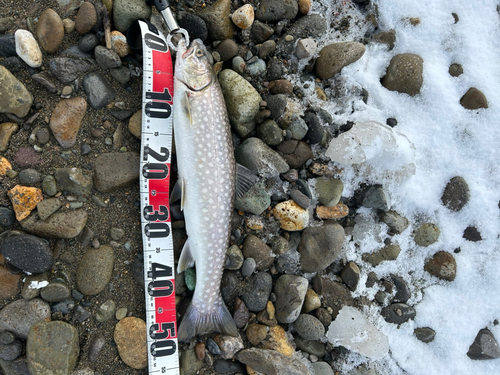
335	294
442	265
309	327
86	18
106	311
472	234
68	6
49	186
242	101
33	284
96	346
256	200
310	26
254	247
28	49
328	190
350	275
10	285
425	334
396	223
316	348
24	200
5	166
281	86
27	156
121	74
81	314
135	124
291	216
66	120
194	25
234	258
227	49
404	74
223	366
333	57
52	348
213	347
403	293
257	291
256	333
298	128
6	131
13	63
270	133
398	313
189	363
16	99
456	194
304	6
336	212
216	17
229	345
200	351
55	292
426	234
95	270
7	217
69	25
66	69
7	46
106	58
347	329
99	92
11	351
474	99
254	154
45	80
248	268
271	11
323	368
256	68
296	153
243	17
320	246
277	105
261	31
241	315
73	181
119	44
115	170
50	30
311	301
121	313
116	233
484	347
377	197
88	42
324	316
456	70
18	316
67	224
190	278
386	37
300	198
271	362
290	293
6	23
130	339
238	64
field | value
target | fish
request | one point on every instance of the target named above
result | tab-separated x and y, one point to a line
206	186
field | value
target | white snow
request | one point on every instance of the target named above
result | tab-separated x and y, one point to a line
449	141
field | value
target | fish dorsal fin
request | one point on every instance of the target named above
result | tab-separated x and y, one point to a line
245	179
186	107
186	259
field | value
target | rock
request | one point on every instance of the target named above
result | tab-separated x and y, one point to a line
306	48
425	334
27	156
46	81
194	25
7	46
398	313
67	224
135	124
291	216
106	311
121	74
99	92
377	197
333	57
218	21
14	97
88	42
328	190
320	246
241	315
426	234
403	293
472	234
322	368
66	69
234	258
55	292
6	23
355	332
442	265
69	25
49	185
311	301
256	200
278	340
335	295
50	30
280	86
257	291
116	233
350	275
10	285
261	31
26	252
248	268
18	316
336	212
259	158
33	284
115	170
68	6
223	366
189	363
106	58
388	252
11	351
96	345
227	49
231	286
309	327
271	362
119	44
271	11
257	249
5	166
296	153
290	292
315	132
121	313
95	270
456	194
277	105
485	346
24	200
242	101
229	345
270	133
257	68
66	120
127	11
28	49
316	348
300	198
456	70
266	49
6	131
73	181
52	348
256	333
7	217
404	74
396	223
474	99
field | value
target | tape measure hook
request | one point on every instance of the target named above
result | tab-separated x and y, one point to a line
184	35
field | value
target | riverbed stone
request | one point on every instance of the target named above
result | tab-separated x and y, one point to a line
442	265
257	291
291	216
404	74
14	97
18	316
254	247
328	190
95	269
474	99
73	180
24	200
86	18
271	362
333	57
6	131
9	283
27	48
50	30
296	153
254	154
126	11
396	223
65	224
115	170
256	200
99	91
66	69
388	252
216	17
398	313
27	252
456	194
484	347
290	293
67	119
426	234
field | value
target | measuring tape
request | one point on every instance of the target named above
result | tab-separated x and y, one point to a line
156	143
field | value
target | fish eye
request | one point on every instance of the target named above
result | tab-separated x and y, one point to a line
199	53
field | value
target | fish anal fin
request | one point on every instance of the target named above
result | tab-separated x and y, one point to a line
186	259
245	179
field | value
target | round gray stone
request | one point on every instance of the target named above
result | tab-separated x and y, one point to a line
55	292
234	258
257	291
98	90
106	58
309	327
248	268
127	11
290	293
254	154
95	270
18	316
404	74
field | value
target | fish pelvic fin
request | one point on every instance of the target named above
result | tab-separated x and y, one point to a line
197	323
186	259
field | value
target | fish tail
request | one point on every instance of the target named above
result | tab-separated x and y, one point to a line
197	323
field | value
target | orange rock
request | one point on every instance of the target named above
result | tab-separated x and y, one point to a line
131	341
9	283
291	216
304	6
66	120
277	340
24	200
4	166
334	212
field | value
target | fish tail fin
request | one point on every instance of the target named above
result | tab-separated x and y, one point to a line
197	323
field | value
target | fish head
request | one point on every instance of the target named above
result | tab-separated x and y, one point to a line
192	65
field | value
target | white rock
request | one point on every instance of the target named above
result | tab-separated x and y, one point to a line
291	216
374	148
28	49
354	331
305	48
243	17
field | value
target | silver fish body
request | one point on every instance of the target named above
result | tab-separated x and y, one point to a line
206	166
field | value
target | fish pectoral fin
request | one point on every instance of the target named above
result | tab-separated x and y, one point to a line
245	179
186	107
186	259
176	193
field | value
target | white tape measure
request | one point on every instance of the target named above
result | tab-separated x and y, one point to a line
156	143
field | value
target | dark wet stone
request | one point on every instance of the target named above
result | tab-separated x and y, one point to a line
398	313
257	291
255	248
7	217
7	46
485	346
296	153
55	292
9	352
472	234
81	314
240	314
350	275
403	293
277	105
99	92
194	25
425	334
225	366
456	194
45	80
309	327
121	74
315	130
66	69
96	346
88	42
261	31
106	58
13	63
26	252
